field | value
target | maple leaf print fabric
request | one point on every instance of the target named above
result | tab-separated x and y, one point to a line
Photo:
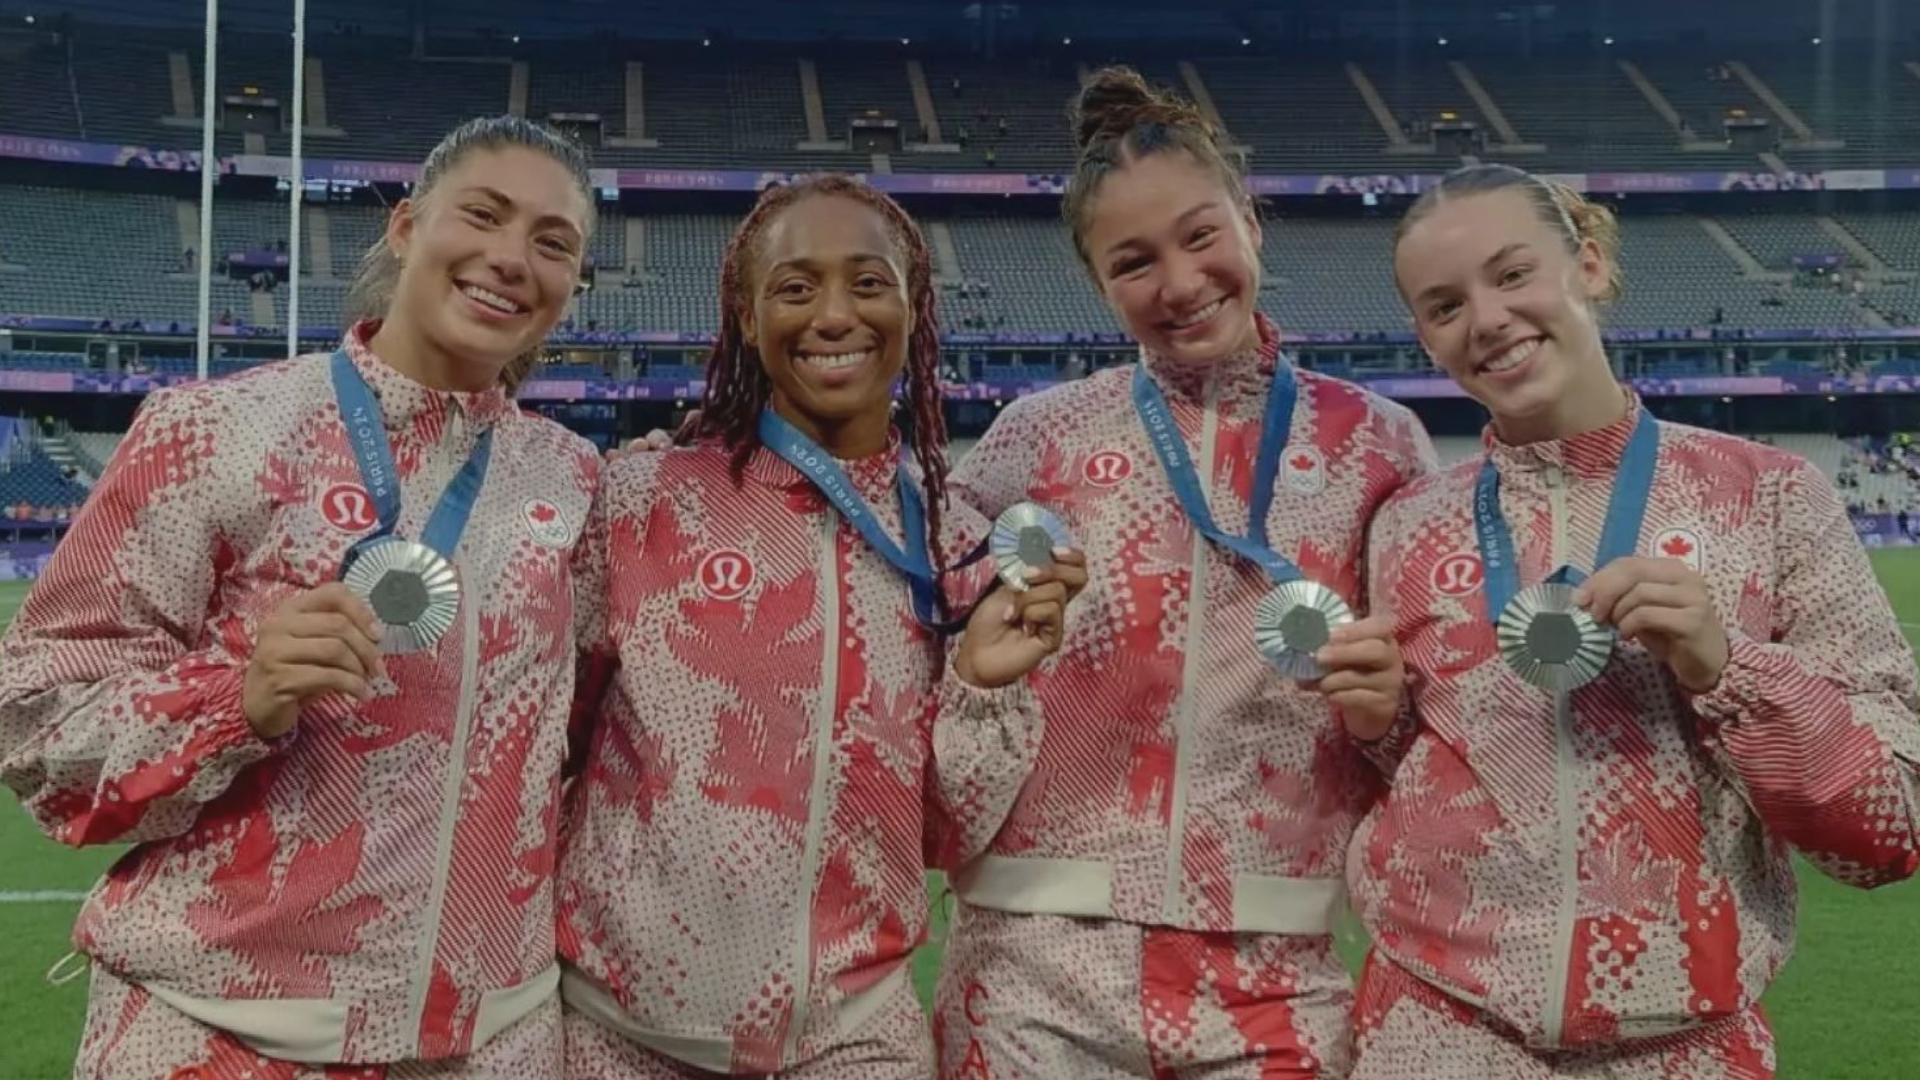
375	886
1624	871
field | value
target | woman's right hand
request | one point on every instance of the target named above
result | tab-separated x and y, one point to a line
657	440
652	442
323	641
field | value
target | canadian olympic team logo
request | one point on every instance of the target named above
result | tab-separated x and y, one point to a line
1458	574
1682	544
1306	470
349	508
726	574
1108	467
547	523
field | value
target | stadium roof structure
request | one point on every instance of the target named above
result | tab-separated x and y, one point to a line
1260	24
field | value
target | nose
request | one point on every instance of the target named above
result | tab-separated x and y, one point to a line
1489	317
833	317
1183	283
507	256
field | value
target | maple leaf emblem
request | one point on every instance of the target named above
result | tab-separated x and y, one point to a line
544	512
1676	546
1302	462
313	903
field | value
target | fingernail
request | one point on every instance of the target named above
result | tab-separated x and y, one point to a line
1012	616
1322	656
1062	552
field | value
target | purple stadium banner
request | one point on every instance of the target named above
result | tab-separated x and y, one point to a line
1403	386
110	154
23	561
1883	530
183	328
372	172
986	183
38	382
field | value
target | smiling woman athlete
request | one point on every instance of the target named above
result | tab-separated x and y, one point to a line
785	745
1583	867
341	794
1161	902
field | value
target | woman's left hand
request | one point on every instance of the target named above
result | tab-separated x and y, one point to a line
1661	605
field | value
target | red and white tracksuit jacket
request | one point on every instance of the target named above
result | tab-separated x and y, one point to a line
374	886
1182	782
1621	869
780	756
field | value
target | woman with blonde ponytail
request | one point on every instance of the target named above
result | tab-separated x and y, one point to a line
309	649
1646	663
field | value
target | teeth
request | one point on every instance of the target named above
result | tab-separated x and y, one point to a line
492	299
834	361
1200	316
1513	357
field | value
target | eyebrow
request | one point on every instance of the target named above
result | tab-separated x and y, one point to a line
500	199
807	262
1118	245
1503	253
1427	293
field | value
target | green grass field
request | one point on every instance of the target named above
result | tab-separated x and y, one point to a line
1841	1008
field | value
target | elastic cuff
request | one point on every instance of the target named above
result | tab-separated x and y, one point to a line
1742	682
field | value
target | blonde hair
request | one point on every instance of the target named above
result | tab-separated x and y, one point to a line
371	293
1570	214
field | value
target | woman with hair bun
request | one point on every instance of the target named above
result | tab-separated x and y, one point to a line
1162	900
1646	662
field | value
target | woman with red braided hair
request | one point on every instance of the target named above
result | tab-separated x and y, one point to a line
782	745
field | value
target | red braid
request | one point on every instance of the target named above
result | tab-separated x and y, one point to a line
737	386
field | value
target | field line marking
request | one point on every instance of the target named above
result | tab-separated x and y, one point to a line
42	896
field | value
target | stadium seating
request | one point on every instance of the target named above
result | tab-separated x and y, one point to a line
28	477
94	449
43	361
715	107
711	107
1775	238
1325	275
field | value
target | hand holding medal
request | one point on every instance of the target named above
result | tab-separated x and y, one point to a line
1546	635
1361	676
323	641
1015	628
1663	606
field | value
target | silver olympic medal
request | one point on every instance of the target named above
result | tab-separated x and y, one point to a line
1024	538
411	589
1294	621
1550	642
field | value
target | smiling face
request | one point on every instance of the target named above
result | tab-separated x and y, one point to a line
1508	312
828	312
1177	257
489	260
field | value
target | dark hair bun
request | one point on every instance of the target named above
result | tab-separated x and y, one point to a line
1112	102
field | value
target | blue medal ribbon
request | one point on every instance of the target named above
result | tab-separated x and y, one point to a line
911	559
367	434
1171	449
1626	510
